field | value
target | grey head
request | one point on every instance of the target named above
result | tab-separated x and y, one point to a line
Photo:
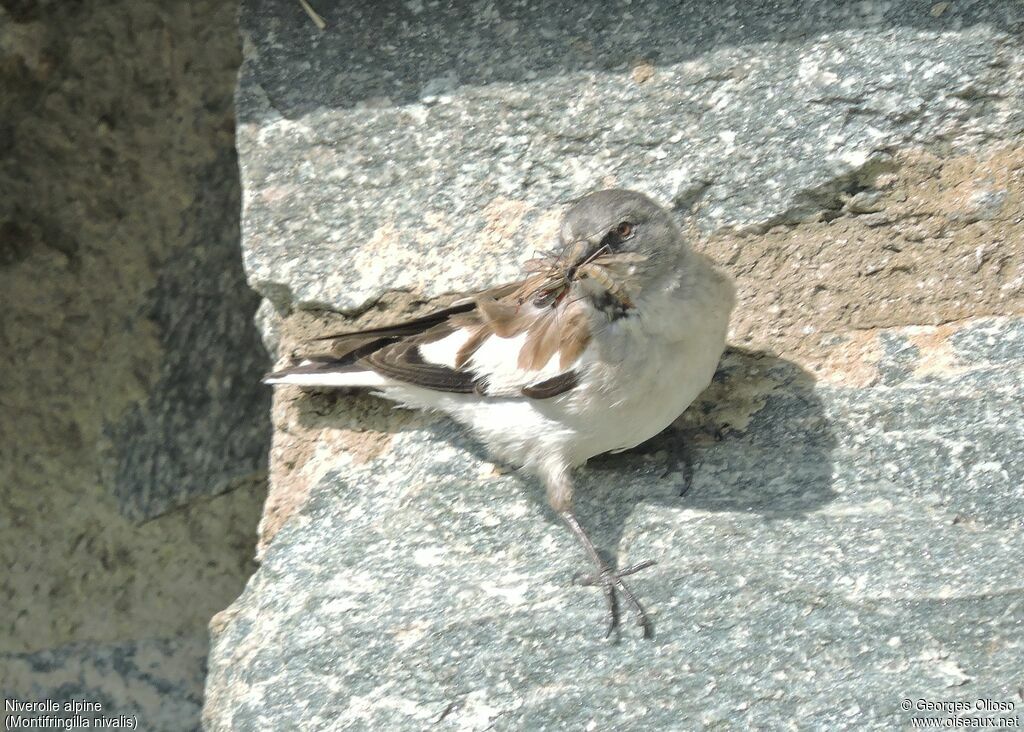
621	221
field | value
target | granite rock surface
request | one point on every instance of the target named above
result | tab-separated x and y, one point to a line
848	549
363	172
133	429
155	683
837	521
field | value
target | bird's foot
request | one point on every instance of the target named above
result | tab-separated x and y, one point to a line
610	580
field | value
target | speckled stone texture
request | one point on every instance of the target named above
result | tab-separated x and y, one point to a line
838	526
851	548
133	427
404	135
155	683
202	429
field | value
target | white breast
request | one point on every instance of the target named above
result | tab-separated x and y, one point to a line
637	376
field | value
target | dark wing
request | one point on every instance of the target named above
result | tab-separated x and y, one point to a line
552	387
347	348
403	361
394	351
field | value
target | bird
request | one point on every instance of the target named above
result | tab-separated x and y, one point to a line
604	342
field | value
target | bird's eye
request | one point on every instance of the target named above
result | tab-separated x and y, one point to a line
624	230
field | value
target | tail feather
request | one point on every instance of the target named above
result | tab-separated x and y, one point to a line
326	373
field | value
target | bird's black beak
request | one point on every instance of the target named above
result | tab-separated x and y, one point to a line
578	253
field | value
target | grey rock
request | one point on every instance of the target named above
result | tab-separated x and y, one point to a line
985	205
203	426
865	202
130	363
848	549
156	682
775	111
843	549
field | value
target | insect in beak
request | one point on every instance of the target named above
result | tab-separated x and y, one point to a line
582	260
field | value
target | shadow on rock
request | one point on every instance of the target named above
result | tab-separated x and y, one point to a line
756	441
531	43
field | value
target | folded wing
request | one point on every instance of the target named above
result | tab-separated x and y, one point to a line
498	343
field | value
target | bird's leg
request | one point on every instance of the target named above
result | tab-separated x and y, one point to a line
555	471
609	579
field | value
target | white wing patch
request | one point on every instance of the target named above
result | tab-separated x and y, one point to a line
355	379
443	352
497	362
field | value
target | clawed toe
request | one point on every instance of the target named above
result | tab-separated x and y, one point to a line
610	580
599	578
